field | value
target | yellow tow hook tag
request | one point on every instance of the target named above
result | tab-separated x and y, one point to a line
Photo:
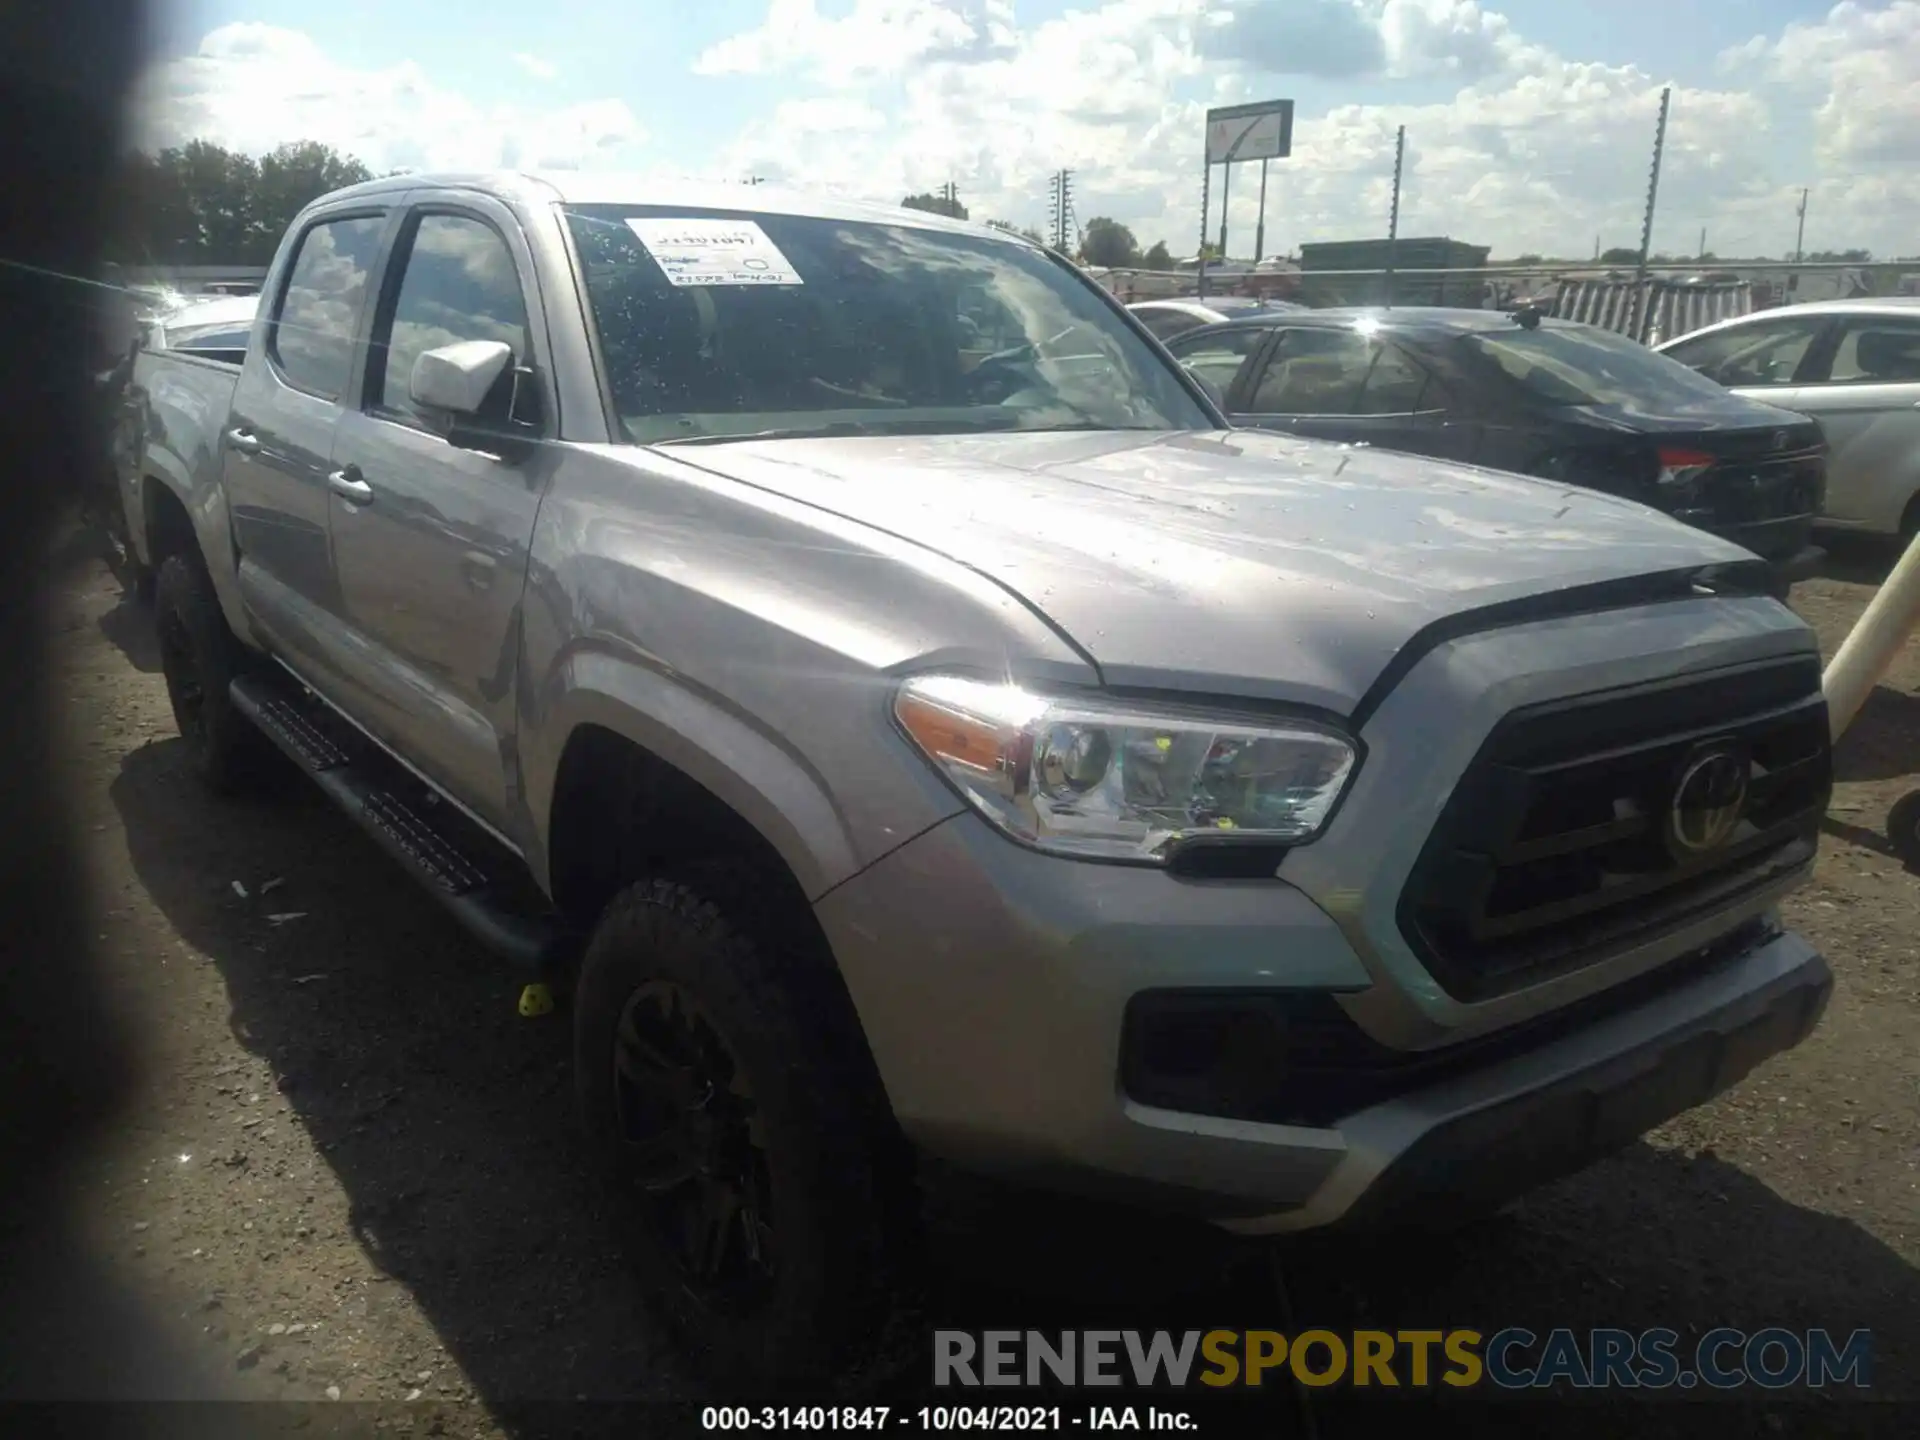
535	1000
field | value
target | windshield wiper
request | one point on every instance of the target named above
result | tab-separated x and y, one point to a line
842	428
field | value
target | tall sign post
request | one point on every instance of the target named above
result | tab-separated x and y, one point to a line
1237	133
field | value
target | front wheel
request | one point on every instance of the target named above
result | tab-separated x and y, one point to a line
750	1153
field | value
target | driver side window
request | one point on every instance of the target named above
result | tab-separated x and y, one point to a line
1751	355
460	284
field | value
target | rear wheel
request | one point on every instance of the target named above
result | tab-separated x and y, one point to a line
1903	829
199	657
750	1152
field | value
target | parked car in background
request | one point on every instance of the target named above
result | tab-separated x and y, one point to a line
1168	318
1514	391
1854	366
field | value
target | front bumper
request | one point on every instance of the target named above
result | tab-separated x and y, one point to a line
997	1029
1464	1153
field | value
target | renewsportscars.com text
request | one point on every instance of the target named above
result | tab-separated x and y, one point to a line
1512	1358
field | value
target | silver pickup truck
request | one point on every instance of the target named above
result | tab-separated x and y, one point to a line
842	651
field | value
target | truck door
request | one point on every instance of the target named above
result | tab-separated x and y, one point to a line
430	541
280	434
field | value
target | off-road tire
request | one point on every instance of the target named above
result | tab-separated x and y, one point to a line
200	657
843	1210
1903	829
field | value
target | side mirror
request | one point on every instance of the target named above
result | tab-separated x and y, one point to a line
458	378
483	400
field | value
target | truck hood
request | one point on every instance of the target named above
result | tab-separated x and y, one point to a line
1226	562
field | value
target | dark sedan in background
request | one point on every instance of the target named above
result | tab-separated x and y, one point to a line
1538	396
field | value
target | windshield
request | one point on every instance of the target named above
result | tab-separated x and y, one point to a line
1579	365
798	325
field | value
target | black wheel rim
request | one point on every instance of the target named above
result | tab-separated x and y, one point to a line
185	688
694	1144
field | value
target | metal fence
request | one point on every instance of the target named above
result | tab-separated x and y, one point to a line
1669	300
1651	310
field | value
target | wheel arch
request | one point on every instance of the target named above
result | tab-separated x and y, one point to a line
679	760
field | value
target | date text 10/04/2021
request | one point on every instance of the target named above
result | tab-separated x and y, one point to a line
927	1419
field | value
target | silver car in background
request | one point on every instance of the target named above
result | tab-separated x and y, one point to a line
1168	318
1854	366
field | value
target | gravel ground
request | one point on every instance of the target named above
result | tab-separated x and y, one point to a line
350	1173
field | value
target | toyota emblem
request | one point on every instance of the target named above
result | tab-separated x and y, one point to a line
1779	439
1708	802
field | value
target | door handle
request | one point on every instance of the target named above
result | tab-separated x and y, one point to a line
243	440
348	485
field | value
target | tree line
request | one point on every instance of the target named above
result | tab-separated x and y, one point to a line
202	204
1103	241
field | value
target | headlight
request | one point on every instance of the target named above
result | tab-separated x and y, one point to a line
1117	781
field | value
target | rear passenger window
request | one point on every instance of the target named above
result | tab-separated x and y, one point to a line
1394	385
1878	351
312	339
460	284
1217	358
1315	372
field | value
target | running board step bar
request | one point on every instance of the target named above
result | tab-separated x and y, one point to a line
460	866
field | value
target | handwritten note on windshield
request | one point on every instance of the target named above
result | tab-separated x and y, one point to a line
714	252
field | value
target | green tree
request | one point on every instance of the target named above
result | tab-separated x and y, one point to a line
202	204
936	205
1159	257
288	180
1620	255
1105	241
1848	257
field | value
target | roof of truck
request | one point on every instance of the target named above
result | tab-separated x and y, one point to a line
570	187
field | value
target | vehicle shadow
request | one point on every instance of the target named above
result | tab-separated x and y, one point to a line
1857	559
1883	742
445	1118
85	550
128	627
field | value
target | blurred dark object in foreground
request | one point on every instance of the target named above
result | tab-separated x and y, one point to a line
66	1330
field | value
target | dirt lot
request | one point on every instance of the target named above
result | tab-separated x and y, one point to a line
351	1173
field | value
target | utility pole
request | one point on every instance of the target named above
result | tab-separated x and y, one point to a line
1226	183
1260	230
1703	242
756	179
1393	213
1060	195
1646	224
1200	255
1800	237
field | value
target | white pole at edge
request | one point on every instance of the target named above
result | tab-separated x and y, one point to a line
1876	638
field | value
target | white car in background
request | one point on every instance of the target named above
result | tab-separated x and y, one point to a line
1168	318
1854	366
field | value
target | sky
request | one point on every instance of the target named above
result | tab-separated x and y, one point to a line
1530	123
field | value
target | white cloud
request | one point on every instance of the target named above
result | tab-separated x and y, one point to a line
1532	151
1864	64
251	87
1348	39
1525	150
535	66
875	37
